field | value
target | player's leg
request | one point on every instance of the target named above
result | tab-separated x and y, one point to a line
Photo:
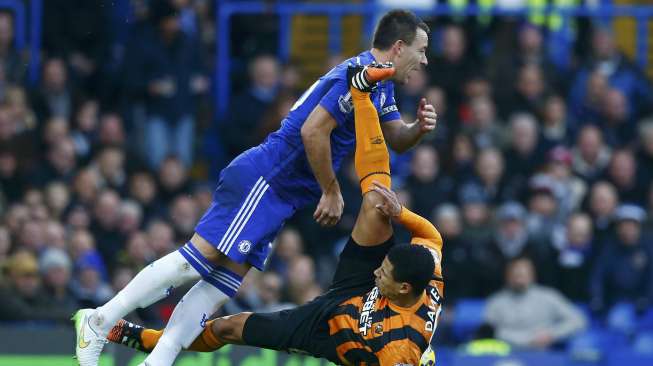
153	283
217	333
371	158
282	330
190	316
244	241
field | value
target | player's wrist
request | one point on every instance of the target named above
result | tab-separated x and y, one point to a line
333	188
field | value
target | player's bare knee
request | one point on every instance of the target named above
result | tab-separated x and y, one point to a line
206	249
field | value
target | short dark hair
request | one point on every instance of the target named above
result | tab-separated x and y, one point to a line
397	25
413	264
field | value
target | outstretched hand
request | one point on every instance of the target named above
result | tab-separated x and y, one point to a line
390	206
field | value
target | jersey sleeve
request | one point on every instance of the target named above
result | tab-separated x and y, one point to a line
336	100
389	110
425	234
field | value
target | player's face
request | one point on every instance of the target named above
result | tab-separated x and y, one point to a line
412	57
384	280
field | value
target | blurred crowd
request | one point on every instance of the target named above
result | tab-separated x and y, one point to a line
107	163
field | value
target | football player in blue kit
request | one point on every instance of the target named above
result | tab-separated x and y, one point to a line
292	169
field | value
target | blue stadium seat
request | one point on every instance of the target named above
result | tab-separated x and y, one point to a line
468	316
622	318
627	358
595	341
643	343
645	322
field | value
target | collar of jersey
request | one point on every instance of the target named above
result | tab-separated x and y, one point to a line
409	309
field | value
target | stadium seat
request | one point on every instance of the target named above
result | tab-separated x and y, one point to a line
627	358
592	343
645	322
468	316
643	343
622	318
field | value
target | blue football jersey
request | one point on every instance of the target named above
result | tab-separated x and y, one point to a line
281	158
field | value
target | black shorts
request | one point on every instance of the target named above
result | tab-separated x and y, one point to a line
304	329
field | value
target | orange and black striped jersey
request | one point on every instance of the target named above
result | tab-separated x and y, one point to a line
370	330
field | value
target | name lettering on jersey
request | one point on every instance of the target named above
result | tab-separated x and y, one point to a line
365	320
434	305
345	103
388	109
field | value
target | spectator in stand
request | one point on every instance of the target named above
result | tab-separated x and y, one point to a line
426	183
18	104
173	179
511	240
625	175
557	128
576	255
60	164
12	180
603	202
84	133
619	73
289	246
130	218
644	152
248	108
86	187
489	177
530	90
137	253
624	269
56	267
476	214
459	268
12	63
484	128
523	155
452	66
160	237
78	30
56	96
590	156
463	153
143	190
183	216
57	199
528	315
173	79
110	164
616	120
544	209
301	286
22	296
104	225
530	50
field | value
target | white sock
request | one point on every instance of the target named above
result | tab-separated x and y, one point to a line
187	322
150	285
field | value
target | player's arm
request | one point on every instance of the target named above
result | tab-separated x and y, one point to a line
316	136
401	136
421	229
